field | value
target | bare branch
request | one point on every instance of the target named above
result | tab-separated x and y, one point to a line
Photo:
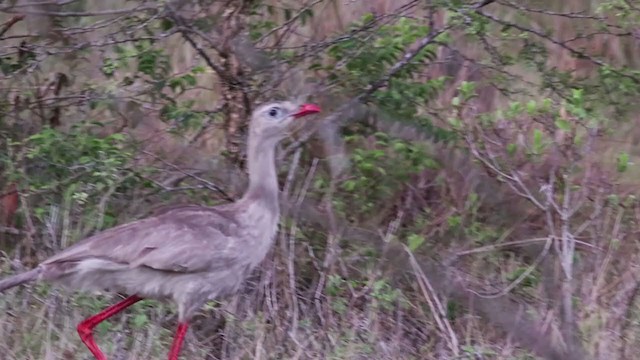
562	44
7	25
141	8
522	276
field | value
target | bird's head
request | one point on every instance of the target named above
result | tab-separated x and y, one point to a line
272	121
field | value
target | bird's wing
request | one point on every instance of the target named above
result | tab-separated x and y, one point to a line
186	239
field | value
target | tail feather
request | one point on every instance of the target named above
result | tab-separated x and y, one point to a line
19	279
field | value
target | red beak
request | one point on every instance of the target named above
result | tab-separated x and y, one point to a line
306	109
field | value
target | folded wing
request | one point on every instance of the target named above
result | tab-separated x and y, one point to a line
189	239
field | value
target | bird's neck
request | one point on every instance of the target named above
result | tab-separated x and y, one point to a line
261	165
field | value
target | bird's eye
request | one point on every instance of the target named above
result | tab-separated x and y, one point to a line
274	112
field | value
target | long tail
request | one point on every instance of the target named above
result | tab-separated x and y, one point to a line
19	279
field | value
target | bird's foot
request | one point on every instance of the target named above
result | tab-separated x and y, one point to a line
85	328
86	335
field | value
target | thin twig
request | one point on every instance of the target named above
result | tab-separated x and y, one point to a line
10	10
7	25
289	250
209	185
488	248
437	309
289	22
12	230
522	276
562	44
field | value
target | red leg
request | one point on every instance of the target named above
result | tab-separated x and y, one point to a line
85	328
178	340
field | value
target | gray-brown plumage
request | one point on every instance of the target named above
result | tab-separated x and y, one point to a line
188	254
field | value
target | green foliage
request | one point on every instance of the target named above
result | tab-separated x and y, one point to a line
182	115
529	281
474	352
263	26
386	295
615	88
362	59
379	171
534	55
10	64
260	28
182	83
148	59
74	170
623	162
145	61
414	241
624	11
100	159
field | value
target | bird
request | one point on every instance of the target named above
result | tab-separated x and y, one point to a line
189	254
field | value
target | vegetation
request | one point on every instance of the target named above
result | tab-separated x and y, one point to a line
468	192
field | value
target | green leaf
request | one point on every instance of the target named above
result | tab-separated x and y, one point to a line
399	146
189	79
455	122
623	162
469	349
377	153
319	184
166	24
530	280
563	125
305	14
147	63
515	109
454	221
546	104
467	89
349	185
140	320
531	107
367	18
109	67
414	241
175	84
577	96
117	136
537	141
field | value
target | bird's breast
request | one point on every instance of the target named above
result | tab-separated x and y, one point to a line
260	231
